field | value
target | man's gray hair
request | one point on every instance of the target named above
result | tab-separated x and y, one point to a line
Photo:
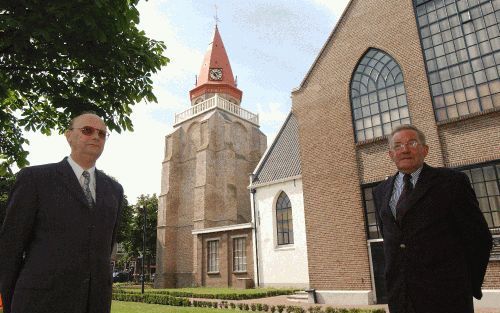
420	134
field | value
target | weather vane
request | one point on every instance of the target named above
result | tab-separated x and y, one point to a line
216	17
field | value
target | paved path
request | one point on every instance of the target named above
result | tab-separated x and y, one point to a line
284	301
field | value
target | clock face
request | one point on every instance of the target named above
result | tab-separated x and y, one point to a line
215	73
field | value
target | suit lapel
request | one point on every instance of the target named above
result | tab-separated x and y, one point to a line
425	181
100	186
388	194
70	181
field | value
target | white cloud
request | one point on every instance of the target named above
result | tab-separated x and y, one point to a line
271	118
157	25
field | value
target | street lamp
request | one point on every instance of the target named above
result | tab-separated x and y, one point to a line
143	245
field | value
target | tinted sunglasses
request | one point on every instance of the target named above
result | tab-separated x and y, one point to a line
90	131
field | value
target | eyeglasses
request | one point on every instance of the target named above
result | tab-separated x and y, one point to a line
90	131
410	144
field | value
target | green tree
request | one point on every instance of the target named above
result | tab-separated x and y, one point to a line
133	243
125	228
6	183
59	58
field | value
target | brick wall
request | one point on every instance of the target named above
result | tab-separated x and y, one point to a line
225	277
492	278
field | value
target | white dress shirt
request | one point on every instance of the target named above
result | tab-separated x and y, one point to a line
78	172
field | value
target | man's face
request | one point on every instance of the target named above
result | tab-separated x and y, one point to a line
407	158
86	144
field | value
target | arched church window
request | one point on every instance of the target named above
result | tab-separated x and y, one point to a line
284	222
378	96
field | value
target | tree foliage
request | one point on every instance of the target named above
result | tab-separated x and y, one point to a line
6	184
132	236
59	58
125	228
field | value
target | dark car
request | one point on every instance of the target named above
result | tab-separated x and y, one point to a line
121	277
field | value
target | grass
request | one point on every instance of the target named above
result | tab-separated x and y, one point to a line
134	307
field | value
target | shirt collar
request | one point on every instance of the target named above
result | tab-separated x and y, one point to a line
79	170
414	175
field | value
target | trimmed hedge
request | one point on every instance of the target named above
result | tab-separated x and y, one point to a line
151	299
168	299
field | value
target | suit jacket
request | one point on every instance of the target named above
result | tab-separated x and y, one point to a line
438	249
54	249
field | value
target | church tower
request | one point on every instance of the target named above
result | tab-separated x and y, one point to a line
204	204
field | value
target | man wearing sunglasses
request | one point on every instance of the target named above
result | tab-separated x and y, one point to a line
436	240
59	230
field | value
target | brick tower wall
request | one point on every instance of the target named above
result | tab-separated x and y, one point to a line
204	184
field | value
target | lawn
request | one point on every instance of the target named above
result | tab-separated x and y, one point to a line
134	307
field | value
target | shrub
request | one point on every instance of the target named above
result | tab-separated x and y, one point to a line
253	307
314	309
290	309
272	309
281	308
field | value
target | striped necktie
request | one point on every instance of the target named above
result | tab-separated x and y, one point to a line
86	188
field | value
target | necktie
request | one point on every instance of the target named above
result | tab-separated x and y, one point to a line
407	188
86	188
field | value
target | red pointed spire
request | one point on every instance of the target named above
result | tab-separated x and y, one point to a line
216	75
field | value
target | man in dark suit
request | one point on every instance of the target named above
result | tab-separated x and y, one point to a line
59	230
436	240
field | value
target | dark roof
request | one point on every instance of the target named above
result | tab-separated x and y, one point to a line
282	159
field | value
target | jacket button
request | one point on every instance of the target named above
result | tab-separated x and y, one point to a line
402	246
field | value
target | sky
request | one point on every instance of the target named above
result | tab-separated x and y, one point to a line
271	46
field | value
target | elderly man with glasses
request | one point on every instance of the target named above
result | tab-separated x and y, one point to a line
436	240
59	230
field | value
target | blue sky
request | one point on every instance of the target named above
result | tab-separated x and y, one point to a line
271	45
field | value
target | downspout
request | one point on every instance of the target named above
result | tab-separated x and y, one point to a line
253	191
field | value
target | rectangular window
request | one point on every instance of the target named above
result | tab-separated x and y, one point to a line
485	180
474	28
239	255
371	221
213	256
